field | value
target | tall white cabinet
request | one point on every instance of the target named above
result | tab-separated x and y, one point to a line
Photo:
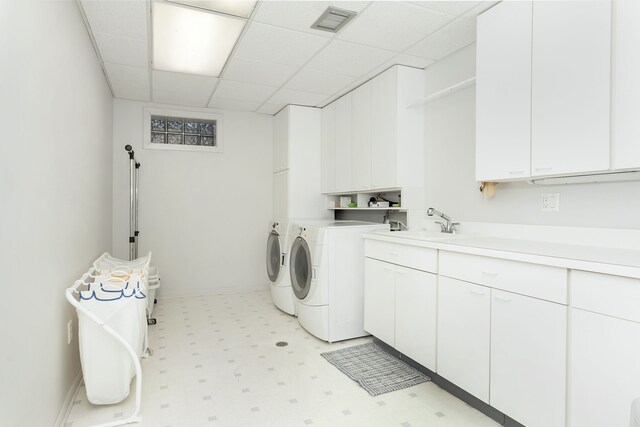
296	163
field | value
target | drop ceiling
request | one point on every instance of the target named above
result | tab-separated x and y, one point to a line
279	59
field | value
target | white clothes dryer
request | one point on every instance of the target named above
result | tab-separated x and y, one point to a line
277	271
326	265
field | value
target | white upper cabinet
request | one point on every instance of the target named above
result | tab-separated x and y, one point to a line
384	129
281	142
343	143
328	151
570	87
378	139
626	99
361	137
336	146
503	92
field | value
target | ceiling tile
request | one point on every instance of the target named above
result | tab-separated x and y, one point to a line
274	44
393	25
270	108
258	72
453	37
297	97
348	59
122	50
121	18
233	104
182	89
300	15
455	8
243	91
318	82
131	82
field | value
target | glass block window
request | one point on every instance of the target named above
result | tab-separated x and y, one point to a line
183	130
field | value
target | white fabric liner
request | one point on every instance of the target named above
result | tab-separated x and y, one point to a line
121	303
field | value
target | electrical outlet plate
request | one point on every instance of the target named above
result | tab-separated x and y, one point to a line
69	331
550	202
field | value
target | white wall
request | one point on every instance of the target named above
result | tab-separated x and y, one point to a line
55	192
203	215
450	184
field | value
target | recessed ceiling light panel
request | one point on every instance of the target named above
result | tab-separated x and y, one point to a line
333	19
242	8
192	41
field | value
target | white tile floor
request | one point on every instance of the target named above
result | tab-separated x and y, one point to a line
215	363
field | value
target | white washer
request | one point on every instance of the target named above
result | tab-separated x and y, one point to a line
326	265
277	271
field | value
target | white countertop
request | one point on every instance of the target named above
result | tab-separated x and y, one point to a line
621	262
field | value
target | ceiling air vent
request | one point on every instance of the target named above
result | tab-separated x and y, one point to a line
333	19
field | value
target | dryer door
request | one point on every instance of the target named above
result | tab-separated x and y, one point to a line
274	255
300	268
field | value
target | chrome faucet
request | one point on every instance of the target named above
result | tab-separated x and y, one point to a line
449	227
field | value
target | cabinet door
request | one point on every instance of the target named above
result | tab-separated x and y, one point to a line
379	299
604	369
570	87
343	143
384	125
328	149
361	137
503	92
416	301
281	195
281	140
626	126
528	359
464	316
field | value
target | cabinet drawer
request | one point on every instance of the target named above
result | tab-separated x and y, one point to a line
611	295
538	281
424	259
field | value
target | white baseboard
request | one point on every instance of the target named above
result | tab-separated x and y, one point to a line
68	401
165	293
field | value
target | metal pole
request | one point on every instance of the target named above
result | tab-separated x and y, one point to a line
136	232
132	177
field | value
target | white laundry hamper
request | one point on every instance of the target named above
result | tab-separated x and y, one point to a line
107	365
109	262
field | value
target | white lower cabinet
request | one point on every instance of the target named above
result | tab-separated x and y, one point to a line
415	317
379	300
528	359
464	322
604	369
400	309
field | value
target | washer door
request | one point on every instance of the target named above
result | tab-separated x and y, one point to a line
300	268
273	256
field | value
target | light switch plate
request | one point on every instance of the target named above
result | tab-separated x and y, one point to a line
550	202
